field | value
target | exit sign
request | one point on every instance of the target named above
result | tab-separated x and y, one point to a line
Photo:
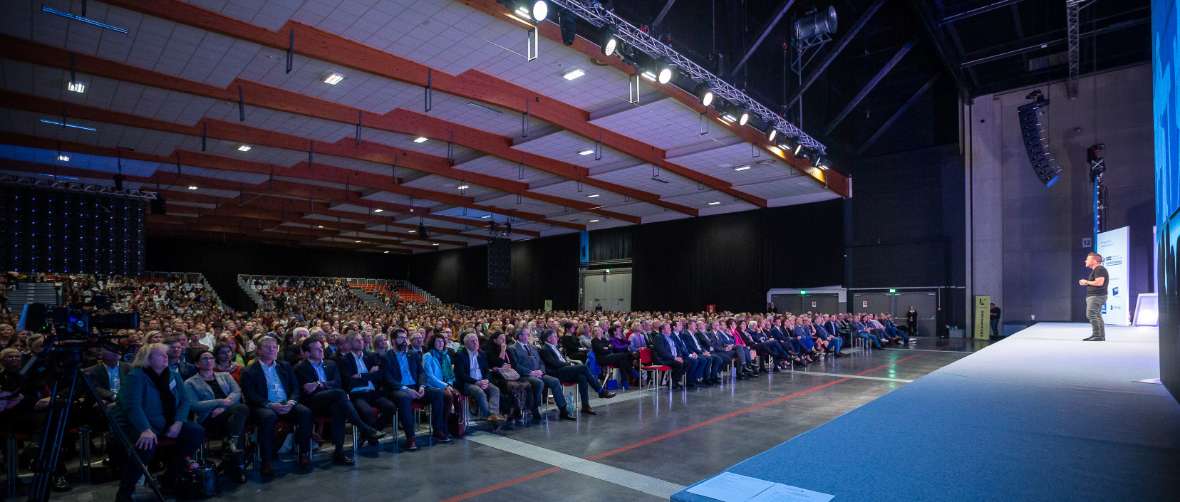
892	291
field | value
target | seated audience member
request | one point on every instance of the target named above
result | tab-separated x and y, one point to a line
891	329
440	377
608	354
744	350
832	341
224	361
709	366
567	370
293	351
506	378
405	383
361	377
108	375
568	341
177	349
319	381
217	404
154	404
472	379
527	362
639	335
862	331
667	351
272	392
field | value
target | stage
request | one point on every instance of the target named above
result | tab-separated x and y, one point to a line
1040	415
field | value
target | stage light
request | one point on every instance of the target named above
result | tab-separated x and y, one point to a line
76	86
743	168
715	203
817	24
378	210
610	43
665	73
333	78
705	94
63	157
573	74
192	187
568	23
588	151
772	134
536	11
592	196
244	148
743	117
820	162
421	139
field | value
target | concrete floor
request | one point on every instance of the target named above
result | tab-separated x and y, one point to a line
643	445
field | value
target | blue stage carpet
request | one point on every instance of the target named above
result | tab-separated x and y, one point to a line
1038	416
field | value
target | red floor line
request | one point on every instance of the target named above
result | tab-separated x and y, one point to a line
671	434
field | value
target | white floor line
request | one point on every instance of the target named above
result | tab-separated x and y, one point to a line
861	377
622	477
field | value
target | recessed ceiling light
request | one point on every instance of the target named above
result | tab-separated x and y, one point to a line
593	221
421	139
586	152
63	157
486	216
592	196
244	148
715	203
573	74
378	210
192	187
333	78
742	168
462	187
76	86
358	242
385	252
413	231
433	243
319	226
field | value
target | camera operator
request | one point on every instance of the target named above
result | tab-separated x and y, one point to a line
154	403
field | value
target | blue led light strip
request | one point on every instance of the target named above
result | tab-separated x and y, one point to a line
59	123
82	19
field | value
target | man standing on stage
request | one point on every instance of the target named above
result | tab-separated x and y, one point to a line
1095	296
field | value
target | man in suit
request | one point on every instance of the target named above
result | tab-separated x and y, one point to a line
567	370
272	392
527	362
668	353
833	342
360	374
217	403
108	375
319	381
471	378
405	382
709	366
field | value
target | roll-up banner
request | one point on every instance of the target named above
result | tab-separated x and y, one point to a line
1114	246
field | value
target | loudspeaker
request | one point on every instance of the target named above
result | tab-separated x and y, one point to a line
159	206
1036	139
499	262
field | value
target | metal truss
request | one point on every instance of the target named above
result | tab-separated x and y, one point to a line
596	14
66	184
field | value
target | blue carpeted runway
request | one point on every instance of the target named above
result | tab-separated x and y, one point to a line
1038	416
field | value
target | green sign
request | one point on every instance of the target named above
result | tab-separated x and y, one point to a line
892	291
803	291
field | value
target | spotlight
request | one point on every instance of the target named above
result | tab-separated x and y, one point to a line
610	43
664	72
816	24
744	117
538	11
568	24
820	162
772	134
705	94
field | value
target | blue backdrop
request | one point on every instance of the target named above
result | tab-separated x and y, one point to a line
1165	19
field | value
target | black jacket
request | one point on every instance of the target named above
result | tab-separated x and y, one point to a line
305	374
552	363
254	383
392	371
102	381
462	361
351	378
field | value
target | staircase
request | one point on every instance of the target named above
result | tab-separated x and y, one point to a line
370	300
32	292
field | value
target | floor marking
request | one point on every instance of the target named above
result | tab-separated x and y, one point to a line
677	432
929	350
622	477
838	375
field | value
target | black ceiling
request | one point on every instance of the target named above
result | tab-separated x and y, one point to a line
957	48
